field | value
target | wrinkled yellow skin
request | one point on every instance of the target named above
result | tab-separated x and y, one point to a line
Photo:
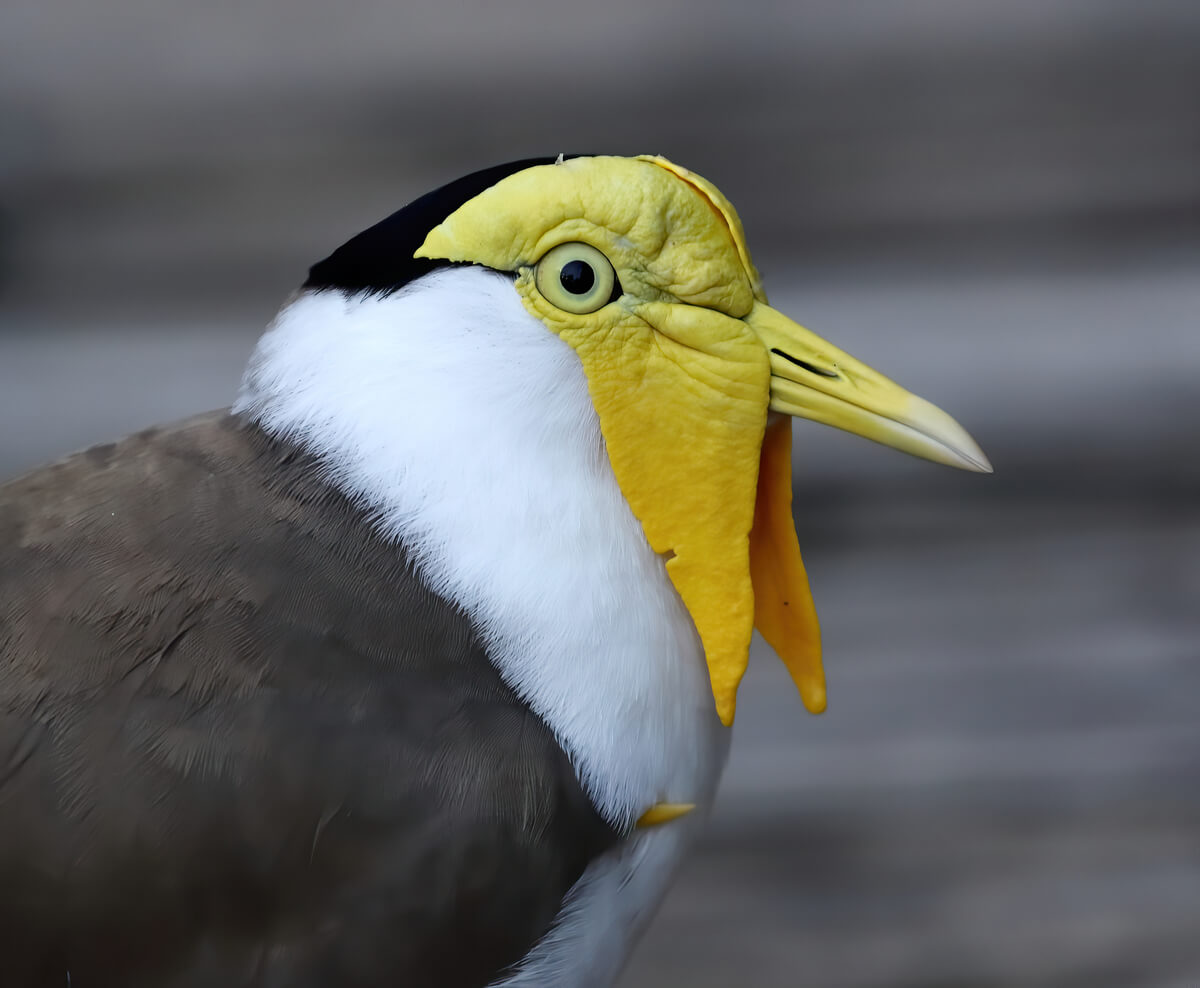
680	382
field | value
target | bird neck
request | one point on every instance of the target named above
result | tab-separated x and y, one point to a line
465	428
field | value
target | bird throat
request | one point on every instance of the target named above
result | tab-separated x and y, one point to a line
711	483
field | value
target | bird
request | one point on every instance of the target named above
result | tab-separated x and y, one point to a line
417	664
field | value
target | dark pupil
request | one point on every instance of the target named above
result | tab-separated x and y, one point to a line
577	277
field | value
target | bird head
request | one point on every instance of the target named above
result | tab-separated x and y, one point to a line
642	268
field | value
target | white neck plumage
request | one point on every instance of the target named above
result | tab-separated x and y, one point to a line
465	427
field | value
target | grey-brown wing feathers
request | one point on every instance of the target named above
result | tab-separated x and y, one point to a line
241	742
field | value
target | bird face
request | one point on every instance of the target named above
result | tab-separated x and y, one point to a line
642	267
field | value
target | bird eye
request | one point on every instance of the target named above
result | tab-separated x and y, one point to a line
577	278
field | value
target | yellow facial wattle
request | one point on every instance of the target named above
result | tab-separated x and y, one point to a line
682	358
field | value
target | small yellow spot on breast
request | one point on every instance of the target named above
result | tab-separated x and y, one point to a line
661	813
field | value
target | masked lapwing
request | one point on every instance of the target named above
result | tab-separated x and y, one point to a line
417	665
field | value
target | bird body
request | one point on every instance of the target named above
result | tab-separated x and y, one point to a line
409	667
214	733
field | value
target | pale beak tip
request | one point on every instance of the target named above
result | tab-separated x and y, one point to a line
940	437
976	461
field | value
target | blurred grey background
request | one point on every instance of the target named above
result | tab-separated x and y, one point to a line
995	202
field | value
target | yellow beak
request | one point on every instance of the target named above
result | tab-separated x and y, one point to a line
813	379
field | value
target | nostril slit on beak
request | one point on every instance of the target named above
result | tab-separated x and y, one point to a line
812	368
